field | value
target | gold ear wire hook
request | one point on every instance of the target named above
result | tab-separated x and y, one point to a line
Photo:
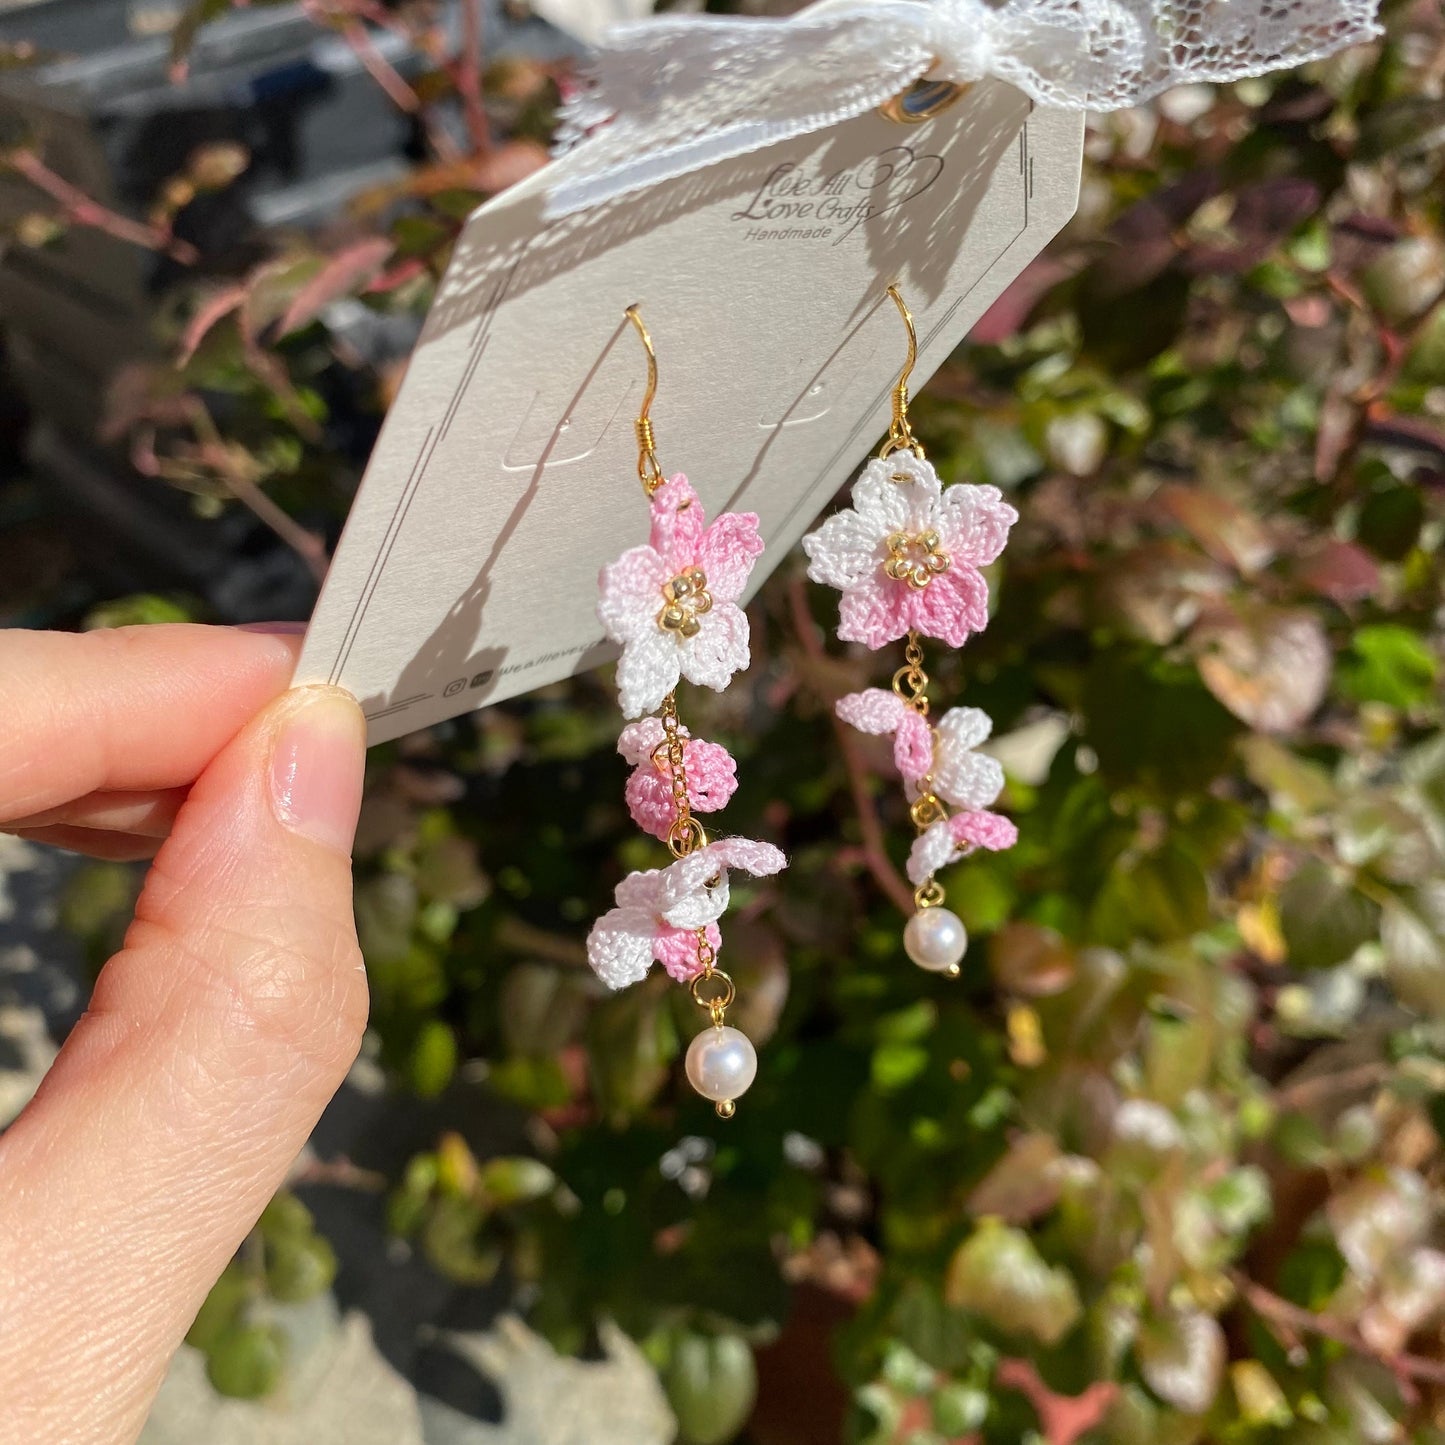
900	434
649	472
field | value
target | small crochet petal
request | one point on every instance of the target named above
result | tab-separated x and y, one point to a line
951	608
693	892
875	610
726	554
630	594
639	740
718	651
712	775
647	671
760	859
964	727
676	950
933	849
619	948
874	710
922	476
913	746
649	800
982	830
844	550
971	781
678	521
884	504
639	890
974	523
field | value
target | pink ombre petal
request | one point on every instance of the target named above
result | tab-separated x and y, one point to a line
619	947
630	594
974	523
951	608
647	671
676	950
712	775
875	710
913	746
639	740
760	859
719	650
933	849
874	611
726	553
983	830
649	800
678	522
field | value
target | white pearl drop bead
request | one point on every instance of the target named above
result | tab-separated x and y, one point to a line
935	939
721	1063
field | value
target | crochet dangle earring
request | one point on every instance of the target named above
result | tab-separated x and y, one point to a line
907	557
672	606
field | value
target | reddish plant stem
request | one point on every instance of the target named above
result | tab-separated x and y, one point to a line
1295	1319
468	78
210	453
82	211
344	18
874	850
307	545
1064	1417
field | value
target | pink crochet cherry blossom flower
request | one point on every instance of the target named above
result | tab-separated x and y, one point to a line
659	912
711	775
960	776
906	555
673	604
953	838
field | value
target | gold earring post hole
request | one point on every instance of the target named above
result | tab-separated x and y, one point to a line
923	100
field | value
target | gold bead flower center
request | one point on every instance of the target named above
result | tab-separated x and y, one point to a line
916	560
685	599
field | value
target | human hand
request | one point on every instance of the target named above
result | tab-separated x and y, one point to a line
215	1036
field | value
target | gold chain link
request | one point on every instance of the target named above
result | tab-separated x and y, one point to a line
686	833
910	682
684	837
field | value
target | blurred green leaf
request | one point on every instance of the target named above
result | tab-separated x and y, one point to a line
711	1383
1323	917
998	1273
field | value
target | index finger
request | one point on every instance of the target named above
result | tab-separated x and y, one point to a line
126	708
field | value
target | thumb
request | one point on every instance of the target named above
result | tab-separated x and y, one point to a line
213	1041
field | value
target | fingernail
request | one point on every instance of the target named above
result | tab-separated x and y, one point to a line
283	629
317	761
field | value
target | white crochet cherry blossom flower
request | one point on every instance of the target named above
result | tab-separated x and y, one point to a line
673	604
950	839
906	555
960	776
659	912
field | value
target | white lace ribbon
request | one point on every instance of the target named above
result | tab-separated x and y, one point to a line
675	93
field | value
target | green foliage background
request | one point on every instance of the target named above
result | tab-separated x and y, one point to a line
1164	1165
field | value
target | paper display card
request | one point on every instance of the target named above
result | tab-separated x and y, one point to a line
505	476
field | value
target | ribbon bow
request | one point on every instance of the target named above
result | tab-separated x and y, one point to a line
676	93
